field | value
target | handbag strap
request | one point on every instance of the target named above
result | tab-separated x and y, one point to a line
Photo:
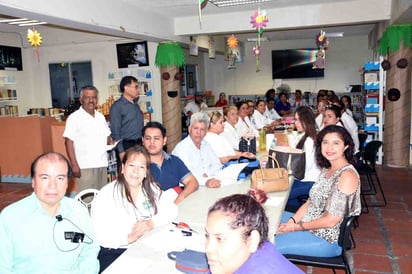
273	164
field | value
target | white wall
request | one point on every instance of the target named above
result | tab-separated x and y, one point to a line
33	83
343	60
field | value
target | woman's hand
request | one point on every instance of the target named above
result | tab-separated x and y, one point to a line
289	226
138	229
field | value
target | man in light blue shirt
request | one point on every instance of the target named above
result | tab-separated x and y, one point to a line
47	232
197	154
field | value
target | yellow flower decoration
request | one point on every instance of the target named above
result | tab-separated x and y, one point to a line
34	37
232	42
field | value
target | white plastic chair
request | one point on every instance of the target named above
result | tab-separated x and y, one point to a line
86	197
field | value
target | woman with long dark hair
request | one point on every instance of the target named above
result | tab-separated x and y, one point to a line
314	229
124	210
305	140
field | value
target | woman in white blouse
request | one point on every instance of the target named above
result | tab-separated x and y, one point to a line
262	120
127	208
307	130
220	145
231	117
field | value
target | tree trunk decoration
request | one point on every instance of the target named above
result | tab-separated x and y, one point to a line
169	58
397	113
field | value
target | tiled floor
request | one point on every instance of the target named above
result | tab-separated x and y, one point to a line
383	238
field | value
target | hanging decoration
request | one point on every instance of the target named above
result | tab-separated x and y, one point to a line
232	43
258	21
322	41
35	40
202	4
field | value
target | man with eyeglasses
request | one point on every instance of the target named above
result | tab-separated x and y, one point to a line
126	118
86	137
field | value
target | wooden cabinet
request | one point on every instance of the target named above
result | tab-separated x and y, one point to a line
22	140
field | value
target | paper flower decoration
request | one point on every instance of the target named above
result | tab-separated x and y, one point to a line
321	39
232	42
259	20
256	51
35	40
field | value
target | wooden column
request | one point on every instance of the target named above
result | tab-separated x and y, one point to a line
171	108
397	124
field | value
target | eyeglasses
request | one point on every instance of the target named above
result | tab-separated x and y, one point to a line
134	87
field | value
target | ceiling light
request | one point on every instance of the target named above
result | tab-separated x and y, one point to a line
13	20
255	39
228	3
22	22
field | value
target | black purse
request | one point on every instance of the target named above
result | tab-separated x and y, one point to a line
292	159
247	145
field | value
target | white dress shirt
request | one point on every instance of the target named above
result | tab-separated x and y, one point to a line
201	161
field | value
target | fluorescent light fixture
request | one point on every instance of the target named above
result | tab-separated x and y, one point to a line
334	34
32	24
22	22
13	20
228	3
255	39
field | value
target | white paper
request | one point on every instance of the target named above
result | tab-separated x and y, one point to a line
274	201
110	147
230	174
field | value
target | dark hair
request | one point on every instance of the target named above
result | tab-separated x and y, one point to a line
52	156
298	91
268	94
154	124
88	87
240	104
259	101
147	182
348	98
245	212
309	124
283	93
127	80
335	109
344	136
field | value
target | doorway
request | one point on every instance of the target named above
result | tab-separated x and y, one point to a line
66	80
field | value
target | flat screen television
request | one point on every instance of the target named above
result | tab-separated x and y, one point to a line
295	63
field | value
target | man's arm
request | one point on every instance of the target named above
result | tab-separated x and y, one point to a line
191	185
72	157
6	249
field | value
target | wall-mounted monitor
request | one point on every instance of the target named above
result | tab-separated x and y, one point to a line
297	63
10	58
132	54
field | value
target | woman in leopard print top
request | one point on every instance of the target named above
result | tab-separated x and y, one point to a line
314	229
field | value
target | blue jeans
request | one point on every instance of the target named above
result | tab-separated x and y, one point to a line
299	188
305	243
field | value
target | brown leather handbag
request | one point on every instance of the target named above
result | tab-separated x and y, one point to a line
270	179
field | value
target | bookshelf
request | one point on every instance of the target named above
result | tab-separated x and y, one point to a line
8	96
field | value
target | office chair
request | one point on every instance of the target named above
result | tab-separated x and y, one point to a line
341	261
367	170
86	197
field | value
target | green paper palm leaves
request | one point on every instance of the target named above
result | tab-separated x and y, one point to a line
169	54
393	36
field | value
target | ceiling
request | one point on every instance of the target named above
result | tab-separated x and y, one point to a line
189	8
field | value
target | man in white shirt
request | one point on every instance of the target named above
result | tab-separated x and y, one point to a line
270	110
197	154
86	137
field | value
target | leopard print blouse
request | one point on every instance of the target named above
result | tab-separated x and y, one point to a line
326	197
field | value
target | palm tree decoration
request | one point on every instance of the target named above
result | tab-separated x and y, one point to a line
169	58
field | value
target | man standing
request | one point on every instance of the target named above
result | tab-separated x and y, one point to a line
197	154
47	232
126	118
195	106
86	137
168	170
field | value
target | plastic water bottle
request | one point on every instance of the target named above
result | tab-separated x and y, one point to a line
262	140
273	143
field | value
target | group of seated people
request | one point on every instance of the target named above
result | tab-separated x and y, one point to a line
152	183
